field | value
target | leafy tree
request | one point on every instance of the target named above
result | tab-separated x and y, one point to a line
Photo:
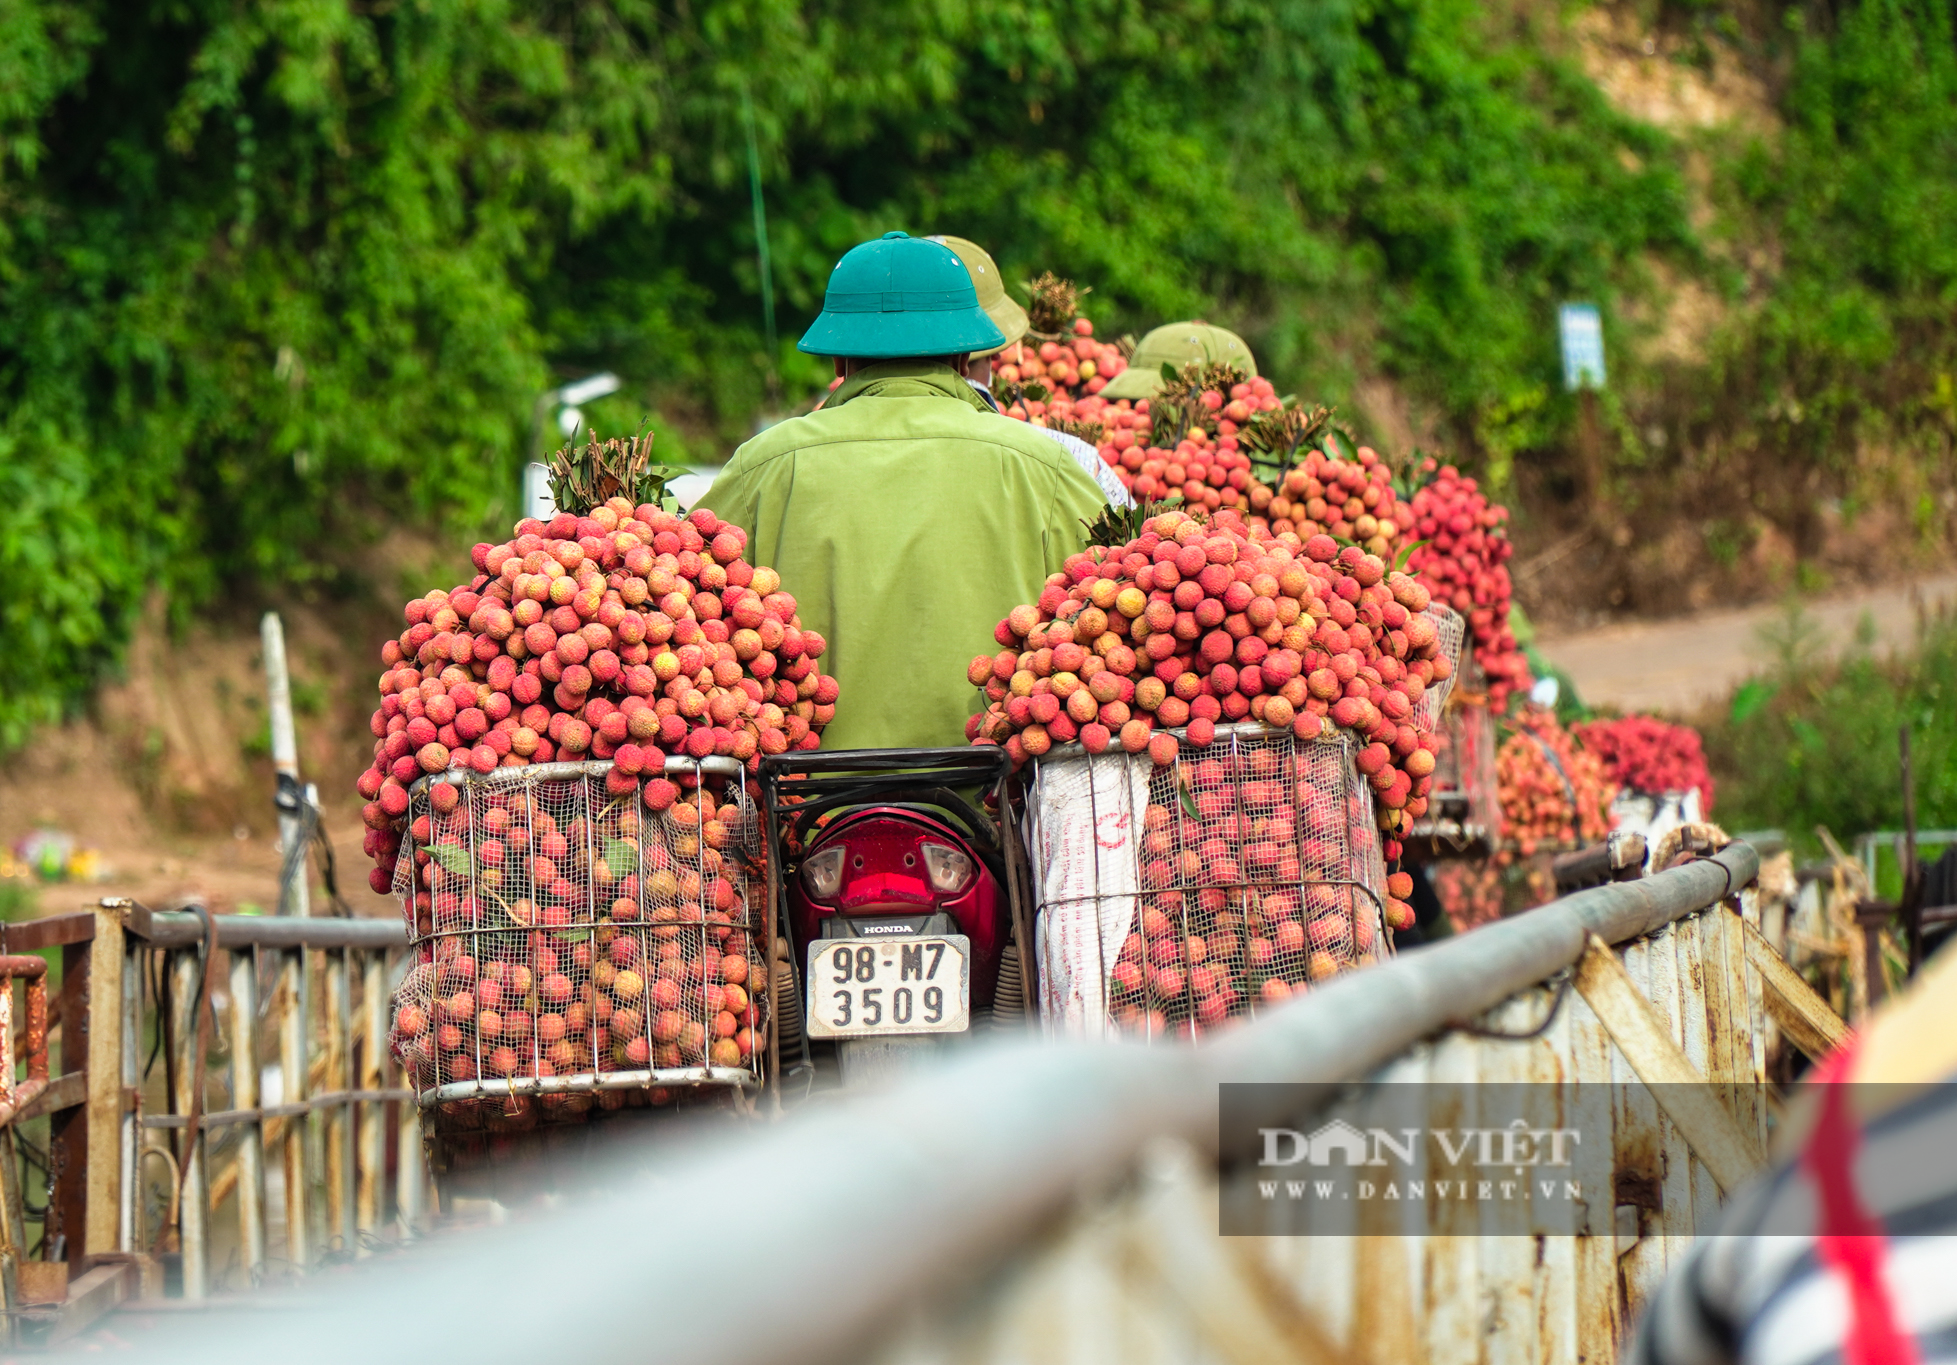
277	273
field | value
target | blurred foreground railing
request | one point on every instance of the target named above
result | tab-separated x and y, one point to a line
1060	1202
301	1003
162	1140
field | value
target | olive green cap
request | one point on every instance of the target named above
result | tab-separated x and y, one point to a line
896	297
992	295
1176	345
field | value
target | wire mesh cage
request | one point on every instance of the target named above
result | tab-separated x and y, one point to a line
1172	900
1451	628
581	940
1464	808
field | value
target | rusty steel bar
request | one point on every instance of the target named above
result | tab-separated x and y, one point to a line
35	972
943	1178
50	931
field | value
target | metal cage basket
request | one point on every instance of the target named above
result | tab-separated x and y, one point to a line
1173	900
576	948
1452	629
1464	814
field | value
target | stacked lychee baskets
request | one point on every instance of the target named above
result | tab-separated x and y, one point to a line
560	799
1211	810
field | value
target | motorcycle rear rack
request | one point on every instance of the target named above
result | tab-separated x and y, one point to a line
823	781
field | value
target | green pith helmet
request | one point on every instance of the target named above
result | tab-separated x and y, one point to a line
1178	344
900	296
992	295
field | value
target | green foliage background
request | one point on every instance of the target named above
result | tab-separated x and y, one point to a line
1812	744
276	274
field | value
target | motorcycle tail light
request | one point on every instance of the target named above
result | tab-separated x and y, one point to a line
822	873
948	869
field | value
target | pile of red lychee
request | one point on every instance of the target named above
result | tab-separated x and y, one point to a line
1198	622
1349	499
1072	369
1205	466
1555	793
1465	563
1650	755
626	634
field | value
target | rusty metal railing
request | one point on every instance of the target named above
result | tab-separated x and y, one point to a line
15	1095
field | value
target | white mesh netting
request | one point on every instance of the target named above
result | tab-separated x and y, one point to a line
1452	630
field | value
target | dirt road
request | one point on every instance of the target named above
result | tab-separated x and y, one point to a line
1683	666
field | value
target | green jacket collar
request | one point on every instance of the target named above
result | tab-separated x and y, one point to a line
906	379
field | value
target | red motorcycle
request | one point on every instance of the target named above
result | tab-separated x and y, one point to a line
901	896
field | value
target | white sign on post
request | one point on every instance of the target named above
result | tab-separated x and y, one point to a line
1582	334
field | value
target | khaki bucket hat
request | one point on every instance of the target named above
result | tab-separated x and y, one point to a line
1176	345
992	295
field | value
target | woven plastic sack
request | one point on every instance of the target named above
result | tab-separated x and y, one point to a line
576	935
1173	900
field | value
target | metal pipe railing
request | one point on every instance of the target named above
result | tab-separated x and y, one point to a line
883	1203
174	929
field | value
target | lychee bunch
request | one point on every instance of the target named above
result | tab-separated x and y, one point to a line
1196	622
1465	562
1071	368
1347	499
1650	755
1471	892
627	634
1555	793
1206	466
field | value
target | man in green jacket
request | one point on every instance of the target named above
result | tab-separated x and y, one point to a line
906	518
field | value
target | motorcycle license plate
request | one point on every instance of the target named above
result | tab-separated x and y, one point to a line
881	987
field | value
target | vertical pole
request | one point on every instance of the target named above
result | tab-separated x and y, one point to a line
302	1130
373	1114
292	1068
132	1235
13	1227
68	1129
285	749
1912	874
193	1215
244	1095
337	1122
411	1173
105	1107
765	268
